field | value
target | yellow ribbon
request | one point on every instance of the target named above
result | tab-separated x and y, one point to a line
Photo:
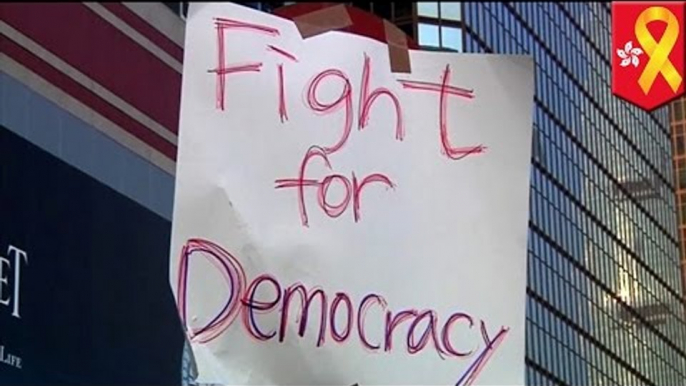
658	51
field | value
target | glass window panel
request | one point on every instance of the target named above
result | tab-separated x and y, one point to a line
427	9
452	38
451	11
682	179
678	110
428	35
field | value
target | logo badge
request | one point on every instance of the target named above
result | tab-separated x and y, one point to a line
648	52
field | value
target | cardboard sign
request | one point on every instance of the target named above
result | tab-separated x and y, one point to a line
339	223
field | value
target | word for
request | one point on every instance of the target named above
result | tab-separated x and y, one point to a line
10	297
422	329
343	103
353	189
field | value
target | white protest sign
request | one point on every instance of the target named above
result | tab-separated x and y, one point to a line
337	223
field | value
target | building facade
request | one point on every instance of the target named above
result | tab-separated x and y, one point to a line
605	294
678	115
89	97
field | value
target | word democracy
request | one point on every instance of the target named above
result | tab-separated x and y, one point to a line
419	329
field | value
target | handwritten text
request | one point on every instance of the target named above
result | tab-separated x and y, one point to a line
344	104
420	329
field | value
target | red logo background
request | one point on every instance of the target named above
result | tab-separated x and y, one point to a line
625	79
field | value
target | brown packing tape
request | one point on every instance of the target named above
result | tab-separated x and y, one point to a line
323	20
399	54
337	17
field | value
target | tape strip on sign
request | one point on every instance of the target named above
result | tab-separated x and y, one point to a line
337	17
323	20
398	53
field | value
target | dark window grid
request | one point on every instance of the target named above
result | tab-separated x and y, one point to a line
467	16
507	34
673	330
496	11
679	320
571	233
594	345
489	27
540	349
528	338
589	278
610	141
570	360
498	30
510	32
521	35
601	75
574	42
599	106
604	169
495	28
551	150
482	21
667	355
665	369
608	8
541	376
644	233
488	49
510	39
642	147
558	349
559	40
572	225
470	46
535	351
606	339
548	355
556	292
528	377
600	365
634	224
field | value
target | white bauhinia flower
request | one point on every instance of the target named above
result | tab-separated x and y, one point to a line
629	54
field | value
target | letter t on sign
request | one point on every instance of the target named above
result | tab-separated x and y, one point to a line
444	90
